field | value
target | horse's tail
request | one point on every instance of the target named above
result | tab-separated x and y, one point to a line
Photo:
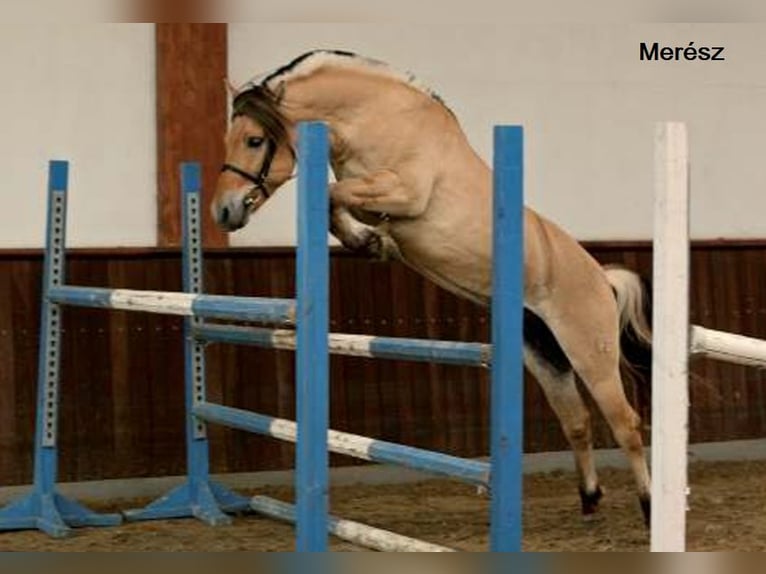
634	302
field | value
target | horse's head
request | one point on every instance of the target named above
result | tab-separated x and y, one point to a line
260	157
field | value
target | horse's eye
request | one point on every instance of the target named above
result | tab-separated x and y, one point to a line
254	142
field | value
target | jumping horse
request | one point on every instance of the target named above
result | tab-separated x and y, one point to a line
410	186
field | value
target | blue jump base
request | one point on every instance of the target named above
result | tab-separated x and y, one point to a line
200	497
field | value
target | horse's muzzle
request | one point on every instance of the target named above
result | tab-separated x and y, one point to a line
232	210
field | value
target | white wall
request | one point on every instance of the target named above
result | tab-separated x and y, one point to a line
588	105
86	93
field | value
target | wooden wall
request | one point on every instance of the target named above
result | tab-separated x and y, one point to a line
191	118
122	405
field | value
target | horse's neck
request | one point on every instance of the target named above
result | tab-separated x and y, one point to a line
372	116
337	95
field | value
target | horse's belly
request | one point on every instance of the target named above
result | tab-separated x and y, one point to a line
464	270
474	290
459	257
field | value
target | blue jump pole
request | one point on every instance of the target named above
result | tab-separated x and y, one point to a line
312	326
360	447
261	309
396	348
44	508
198	496
507	393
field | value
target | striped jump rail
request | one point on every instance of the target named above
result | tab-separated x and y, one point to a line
349	530
254	309
353	445
396	348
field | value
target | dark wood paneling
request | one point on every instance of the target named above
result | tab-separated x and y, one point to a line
191	118
161	11
122	387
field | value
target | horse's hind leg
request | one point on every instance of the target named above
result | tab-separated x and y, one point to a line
588	334
625	425
560	389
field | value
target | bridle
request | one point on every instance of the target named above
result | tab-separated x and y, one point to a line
259	189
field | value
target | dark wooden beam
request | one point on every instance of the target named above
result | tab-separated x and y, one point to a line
191	119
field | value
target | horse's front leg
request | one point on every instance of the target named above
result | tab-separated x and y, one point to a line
360	237
381	192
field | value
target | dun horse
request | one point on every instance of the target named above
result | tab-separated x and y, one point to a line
410	186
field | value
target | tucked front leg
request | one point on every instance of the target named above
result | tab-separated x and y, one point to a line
383	192
360	237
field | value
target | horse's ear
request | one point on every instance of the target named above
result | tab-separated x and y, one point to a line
233	92
279	92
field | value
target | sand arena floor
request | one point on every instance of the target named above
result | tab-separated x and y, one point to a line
726	513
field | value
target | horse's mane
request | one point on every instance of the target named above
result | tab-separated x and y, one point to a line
259	99
309	62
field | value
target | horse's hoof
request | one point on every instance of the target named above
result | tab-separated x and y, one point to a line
646	508
589	502
379	246
374	246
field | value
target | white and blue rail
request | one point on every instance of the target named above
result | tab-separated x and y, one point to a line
301	325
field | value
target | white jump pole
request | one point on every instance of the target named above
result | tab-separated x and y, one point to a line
670	356
728	347
349	530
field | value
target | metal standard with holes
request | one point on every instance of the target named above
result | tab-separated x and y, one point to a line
193	284
44	508
198	495
51	326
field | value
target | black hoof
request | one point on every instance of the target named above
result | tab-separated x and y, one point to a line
646	508
374	247
380	247
589	501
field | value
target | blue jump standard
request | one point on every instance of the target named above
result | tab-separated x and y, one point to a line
199	496
44	508
312	362
507	391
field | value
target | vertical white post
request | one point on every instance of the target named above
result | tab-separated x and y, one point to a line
670	392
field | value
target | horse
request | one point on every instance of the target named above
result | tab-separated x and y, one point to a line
408	185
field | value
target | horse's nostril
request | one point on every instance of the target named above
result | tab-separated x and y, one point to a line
225	215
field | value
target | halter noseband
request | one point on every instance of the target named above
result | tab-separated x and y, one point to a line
258	180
